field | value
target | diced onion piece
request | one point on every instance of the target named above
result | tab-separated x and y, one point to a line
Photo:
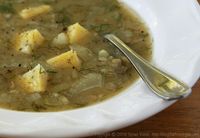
60	39
77	34
87	82
56	100
35	11
103	55
65	60
34	80
83	52
26	42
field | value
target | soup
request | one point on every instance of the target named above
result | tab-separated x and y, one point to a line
53	56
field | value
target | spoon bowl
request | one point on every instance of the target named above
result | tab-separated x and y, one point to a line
162	84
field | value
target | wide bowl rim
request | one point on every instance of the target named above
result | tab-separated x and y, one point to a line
101	116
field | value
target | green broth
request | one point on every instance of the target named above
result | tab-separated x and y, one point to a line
99	17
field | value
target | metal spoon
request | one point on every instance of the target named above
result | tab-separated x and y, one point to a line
162	84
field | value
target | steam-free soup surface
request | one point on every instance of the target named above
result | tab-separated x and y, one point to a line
93	71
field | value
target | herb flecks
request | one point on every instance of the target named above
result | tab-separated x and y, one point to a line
51	71
6	8
63	17
102	28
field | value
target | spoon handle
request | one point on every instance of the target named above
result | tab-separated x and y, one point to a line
162	84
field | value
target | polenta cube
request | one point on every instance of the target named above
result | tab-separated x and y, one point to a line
65	60
77	34
35	11
26	42
34	80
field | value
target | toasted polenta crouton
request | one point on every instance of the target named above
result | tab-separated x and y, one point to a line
26	42
77	34
35	11
34	80
65	60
